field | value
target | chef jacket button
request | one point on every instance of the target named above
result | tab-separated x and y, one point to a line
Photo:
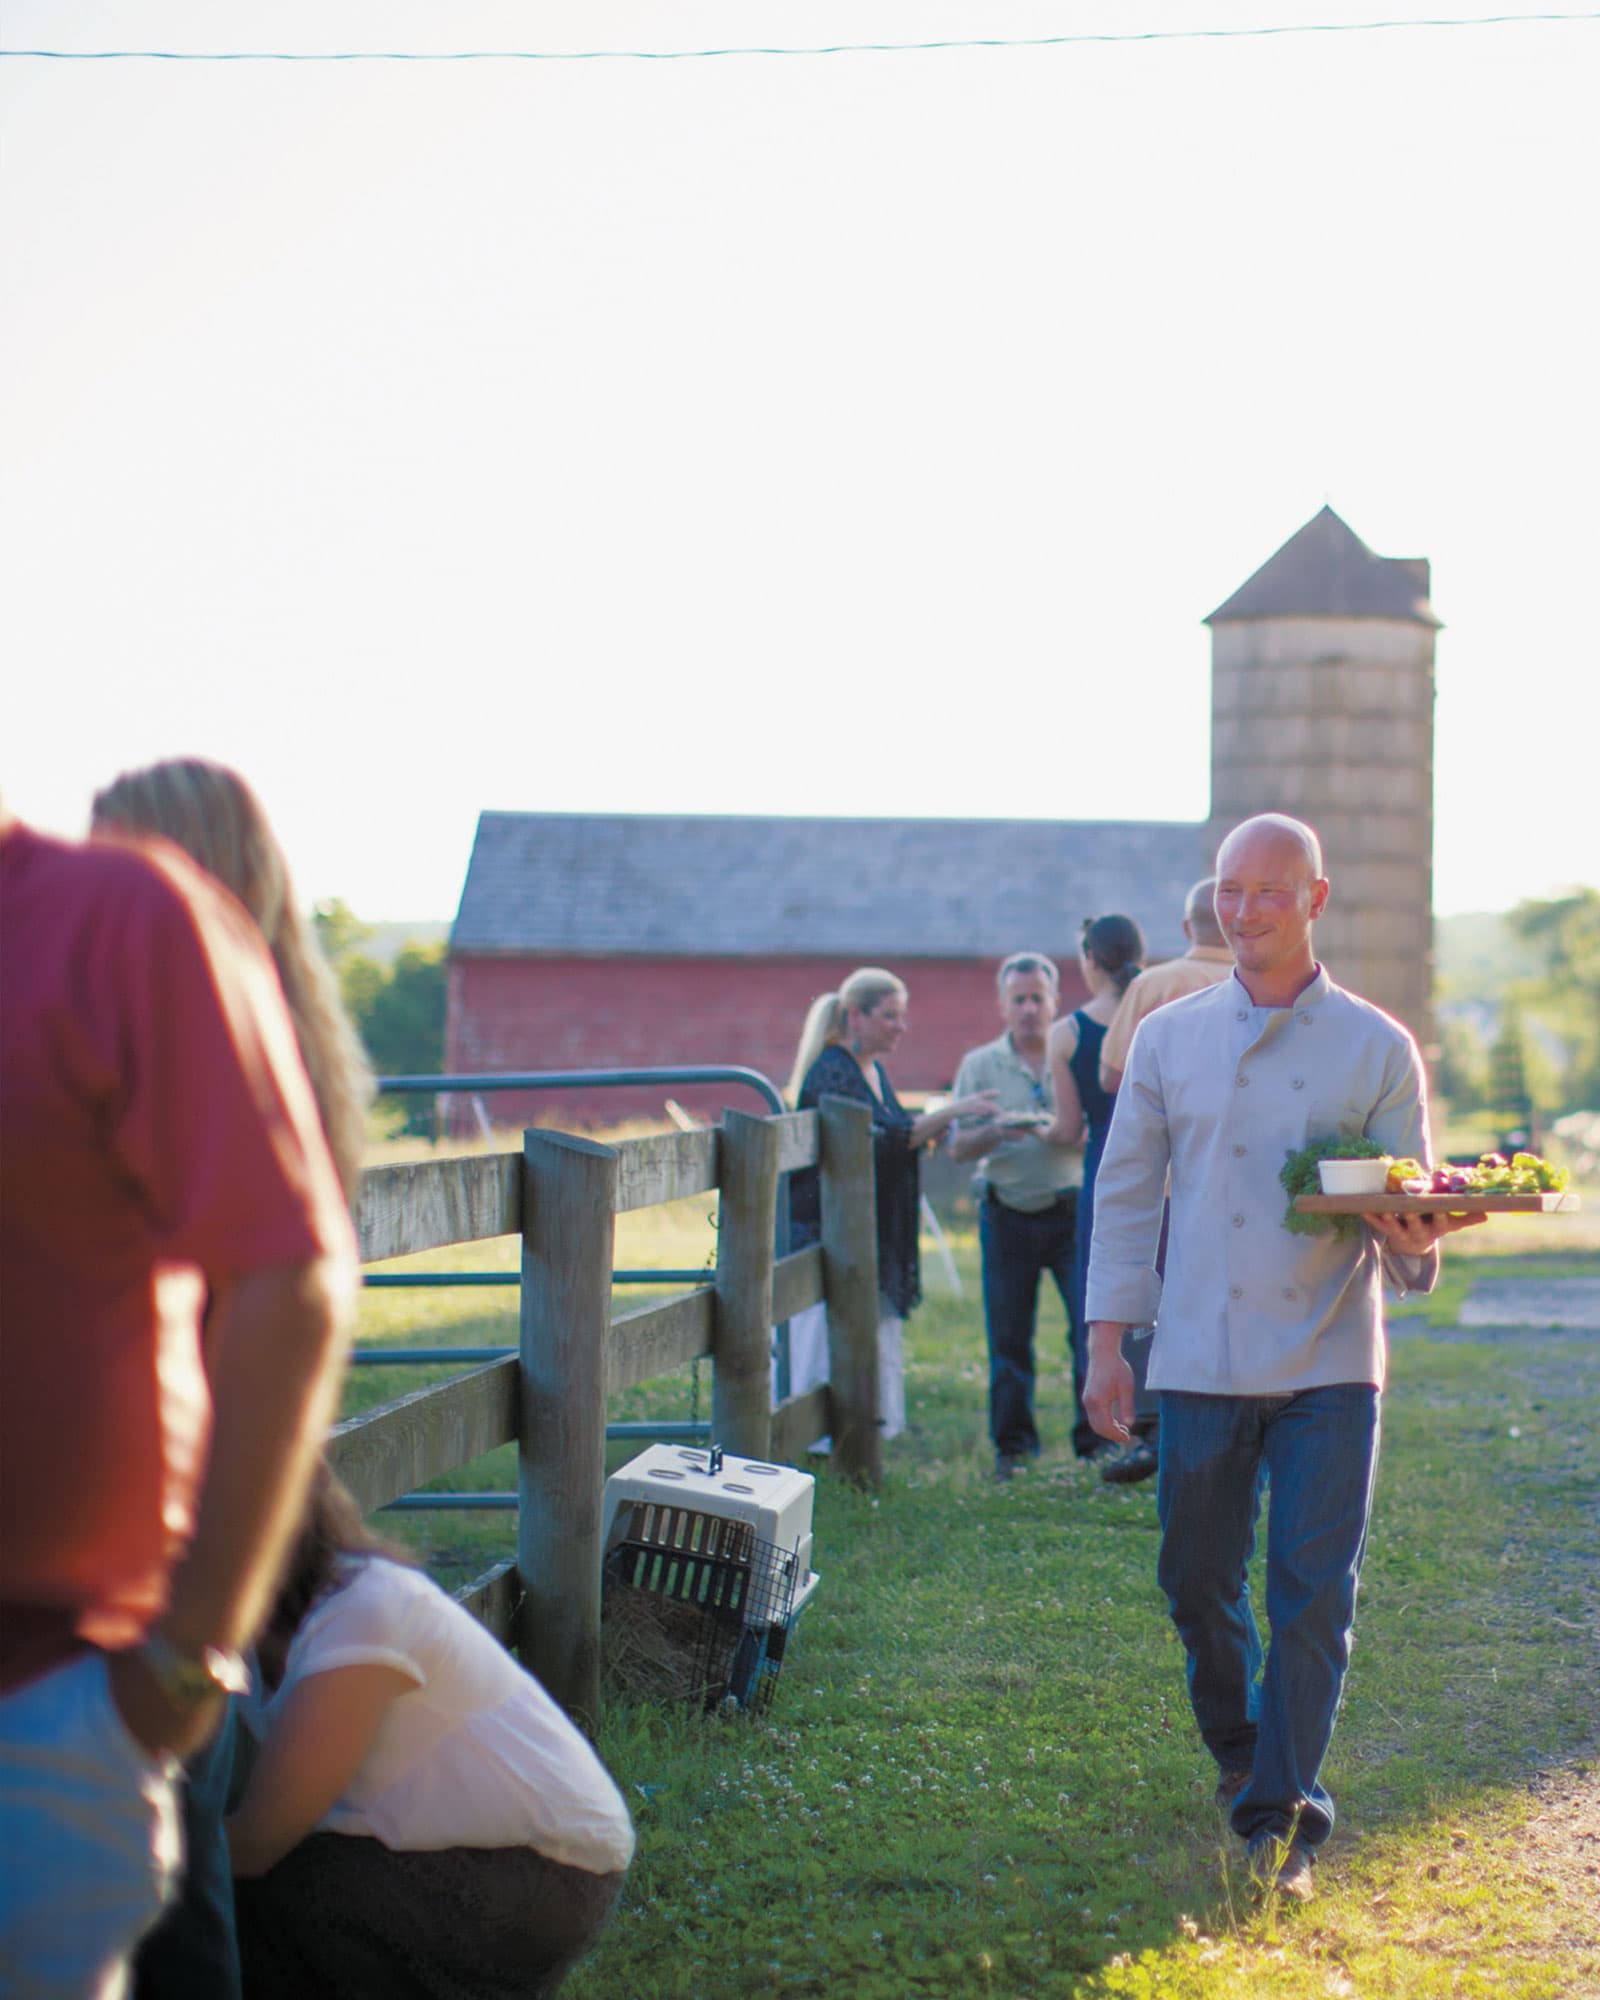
1238	1152
1238	1222
1240	1015
1308	1019
1236	1291
1241	1081
1297	1083
1288	1291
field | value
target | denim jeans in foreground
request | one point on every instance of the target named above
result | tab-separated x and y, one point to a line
1018	1250
90	1844
193	1951
1316	1454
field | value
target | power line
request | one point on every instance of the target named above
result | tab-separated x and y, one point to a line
1271	28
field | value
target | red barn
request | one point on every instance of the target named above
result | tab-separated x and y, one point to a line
604	942
622	941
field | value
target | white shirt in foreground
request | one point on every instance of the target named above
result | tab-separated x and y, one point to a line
477	1754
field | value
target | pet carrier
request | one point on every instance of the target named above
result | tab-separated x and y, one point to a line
707	1567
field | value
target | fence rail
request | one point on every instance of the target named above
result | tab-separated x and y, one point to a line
562	1195
432	1204
402	1445
478	1087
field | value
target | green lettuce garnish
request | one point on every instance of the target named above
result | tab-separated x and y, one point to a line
1299	1176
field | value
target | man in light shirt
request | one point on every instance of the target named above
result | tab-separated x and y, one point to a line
1269	1345
1027	1206
1207	960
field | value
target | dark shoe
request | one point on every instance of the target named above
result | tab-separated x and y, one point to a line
1230	1783
1007	1464
1134	1462
1282	1867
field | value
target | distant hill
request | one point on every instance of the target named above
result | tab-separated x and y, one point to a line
388	940
1476	956
1475	953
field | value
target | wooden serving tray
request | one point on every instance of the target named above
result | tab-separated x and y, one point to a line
1438	1204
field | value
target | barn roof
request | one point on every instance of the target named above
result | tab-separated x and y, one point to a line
869	889
1325	570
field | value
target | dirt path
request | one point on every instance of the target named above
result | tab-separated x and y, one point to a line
1562	1850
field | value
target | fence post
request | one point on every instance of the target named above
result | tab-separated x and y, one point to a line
850	1284
747	1181
568	1226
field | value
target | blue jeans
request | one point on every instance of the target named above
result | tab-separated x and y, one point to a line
1316	1453
1018	1250
193	1954
90	1845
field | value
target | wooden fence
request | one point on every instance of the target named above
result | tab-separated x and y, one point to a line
562	1195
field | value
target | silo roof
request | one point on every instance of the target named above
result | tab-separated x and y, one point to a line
1327	571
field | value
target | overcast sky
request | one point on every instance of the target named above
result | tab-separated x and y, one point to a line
849	433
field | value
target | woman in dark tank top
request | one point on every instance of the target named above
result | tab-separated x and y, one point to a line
1111	954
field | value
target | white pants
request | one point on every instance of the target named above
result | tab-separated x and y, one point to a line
808	1362
92	1843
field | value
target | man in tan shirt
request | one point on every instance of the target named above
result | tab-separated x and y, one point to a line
1207	960
1027	1203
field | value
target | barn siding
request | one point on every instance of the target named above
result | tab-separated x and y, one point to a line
598	1013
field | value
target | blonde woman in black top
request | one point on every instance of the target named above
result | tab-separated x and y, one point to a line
846	1035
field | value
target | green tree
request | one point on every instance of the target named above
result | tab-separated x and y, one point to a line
339	930
361	981
1565	933
398	1010
1509	1095
1462	1070
341	933
403	1024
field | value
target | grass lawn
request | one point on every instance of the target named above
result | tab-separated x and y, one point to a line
980	1776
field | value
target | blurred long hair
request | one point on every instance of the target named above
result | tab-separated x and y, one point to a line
827	1018
331	1530
212	814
